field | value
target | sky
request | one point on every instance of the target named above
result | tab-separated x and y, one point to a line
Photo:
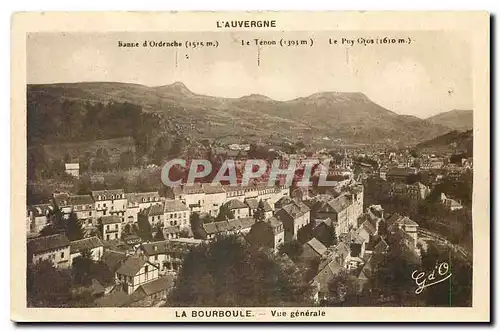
430	75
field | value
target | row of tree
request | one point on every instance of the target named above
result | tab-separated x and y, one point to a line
227	272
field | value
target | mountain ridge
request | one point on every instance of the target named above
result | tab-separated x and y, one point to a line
349	116
457	119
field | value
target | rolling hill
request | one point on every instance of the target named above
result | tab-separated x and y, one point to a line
454	142
351	117
460	120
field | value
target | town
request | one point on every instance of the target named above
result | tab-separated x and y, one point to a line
384	210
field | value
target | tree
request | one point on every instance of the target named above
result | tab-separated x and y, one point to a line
159	234
340	287
292	248
195	222
57	223
393	272
101	160
184	232
47	286
82	268
85	161
327	236
49	230
226	273
224	213
144	231
73	228
161	149
37	163
127	159
176	148
457	290
259	214
126	230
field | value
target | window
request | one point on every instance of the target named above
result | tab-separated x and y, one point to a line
146	269
62	254
90	213
107	227
156	257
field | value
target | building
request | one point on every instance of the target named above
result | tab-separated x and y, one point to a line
134	272
208	198
343	210
147	295
110	203
415	192
313	249
269	233
176	213
72	169
450	203
238	208
83	207
192	196
110	227
61	202
38	217
209	231
327	270
408	226
399	175
294	217
253	205
139	201
55	248
113	259
215	196
167	255
154	215
92	244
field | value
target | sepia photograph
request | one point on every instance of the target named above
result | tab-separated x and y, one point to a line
216	172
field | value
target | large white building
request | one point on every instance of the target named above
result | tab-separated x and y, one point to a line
208	198
139	201
176	213
110	203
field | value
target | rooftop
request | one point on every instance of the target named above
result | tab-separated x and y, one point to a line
85	244
317	246
153	210
131	266
106	220
47	243
172	205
